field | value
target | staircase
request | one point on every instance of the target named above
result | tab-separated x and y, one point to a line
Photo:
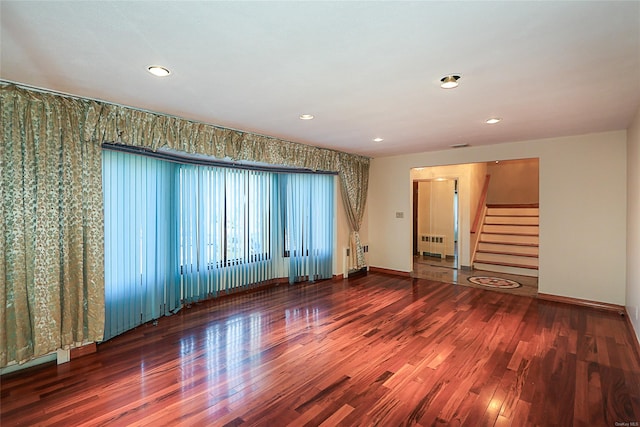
508	241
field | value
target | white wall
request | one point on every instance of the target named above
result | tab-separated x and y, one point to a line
633	224
582	210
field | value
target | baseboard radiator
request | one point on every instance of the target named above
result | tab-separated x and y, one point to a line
432	245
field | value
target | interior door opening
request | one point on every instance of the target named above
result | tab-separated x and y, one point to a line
487	202
435	222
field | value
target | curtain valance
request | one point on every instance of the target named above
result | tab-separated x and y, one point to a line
104	122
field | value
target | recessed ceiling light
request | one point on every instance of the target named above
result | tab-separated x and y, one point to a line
158	70
306	116
378	139
449	82
493	120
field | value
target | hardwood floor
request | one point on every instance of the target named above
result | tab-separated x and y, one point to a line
372	350
427	270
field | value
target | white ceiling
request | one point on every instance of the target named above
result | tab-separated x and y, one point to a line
364	69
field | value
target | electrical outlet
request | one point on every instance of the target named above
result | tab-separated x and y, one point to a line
399	214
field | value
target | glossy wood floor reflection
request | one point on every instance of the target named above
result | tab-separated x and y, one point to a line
373	350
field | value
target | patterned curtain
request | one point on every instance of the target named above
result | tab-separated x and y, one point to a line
51	235
354	200
52	268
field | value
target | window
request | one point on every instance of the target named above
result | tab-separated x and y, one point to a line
177	233
308	226
226	213
247	213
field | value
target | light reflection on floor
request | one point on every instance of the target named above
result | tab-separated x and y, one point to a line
235	342
224	357
428	268
237	339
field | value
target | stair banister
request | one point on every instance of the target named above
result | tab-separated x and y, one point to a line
481	205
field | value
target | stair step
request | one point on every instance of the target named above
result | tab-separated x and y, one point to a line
505	269
498	248
511	220
509	239
523	230
497	264
507	259
513	211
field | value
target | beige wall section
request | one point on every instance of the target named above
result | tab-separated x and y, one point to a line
424	207
582	204
513	182
633	224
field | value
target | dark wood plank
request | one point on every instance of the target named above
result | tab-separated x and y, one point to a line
376	349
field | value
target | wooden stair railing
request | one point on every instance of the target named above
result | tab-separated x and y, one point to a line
481	204
481	210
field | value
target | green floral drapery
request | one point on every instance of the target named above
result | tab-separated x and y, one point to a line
354	201
52	291
52	268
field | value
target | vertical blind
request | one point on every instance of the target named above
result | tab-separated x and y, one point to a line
225	224
141	280
179	233
309	239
